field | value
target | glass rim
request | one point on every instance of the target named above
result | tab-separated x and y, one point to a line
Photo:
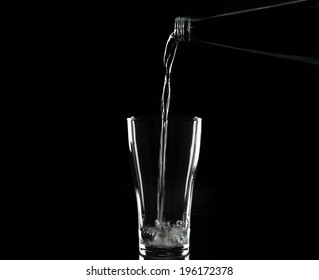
158	118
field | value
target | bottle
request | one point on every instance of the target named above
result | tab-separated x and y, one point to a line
287	30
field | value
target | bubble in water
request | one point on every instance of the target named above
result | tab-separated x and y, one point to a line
165	235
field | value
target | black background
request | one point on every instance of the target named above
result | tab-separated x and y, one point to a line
78	71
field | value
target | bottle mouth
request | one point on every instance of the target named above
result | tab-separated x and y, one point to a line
182	28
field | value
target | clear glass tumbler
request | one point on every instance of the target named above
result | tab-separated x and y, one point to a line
164	170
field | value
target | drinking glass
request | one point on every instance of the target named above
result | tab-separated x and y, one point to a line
164	156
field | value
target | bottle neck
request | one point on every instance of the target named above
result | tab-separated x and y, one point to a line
182	29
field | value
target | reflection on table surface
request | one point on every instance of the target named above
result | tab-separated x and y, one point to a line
140	257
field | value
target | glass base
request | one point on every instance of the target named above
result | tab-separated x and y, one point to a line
154	253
